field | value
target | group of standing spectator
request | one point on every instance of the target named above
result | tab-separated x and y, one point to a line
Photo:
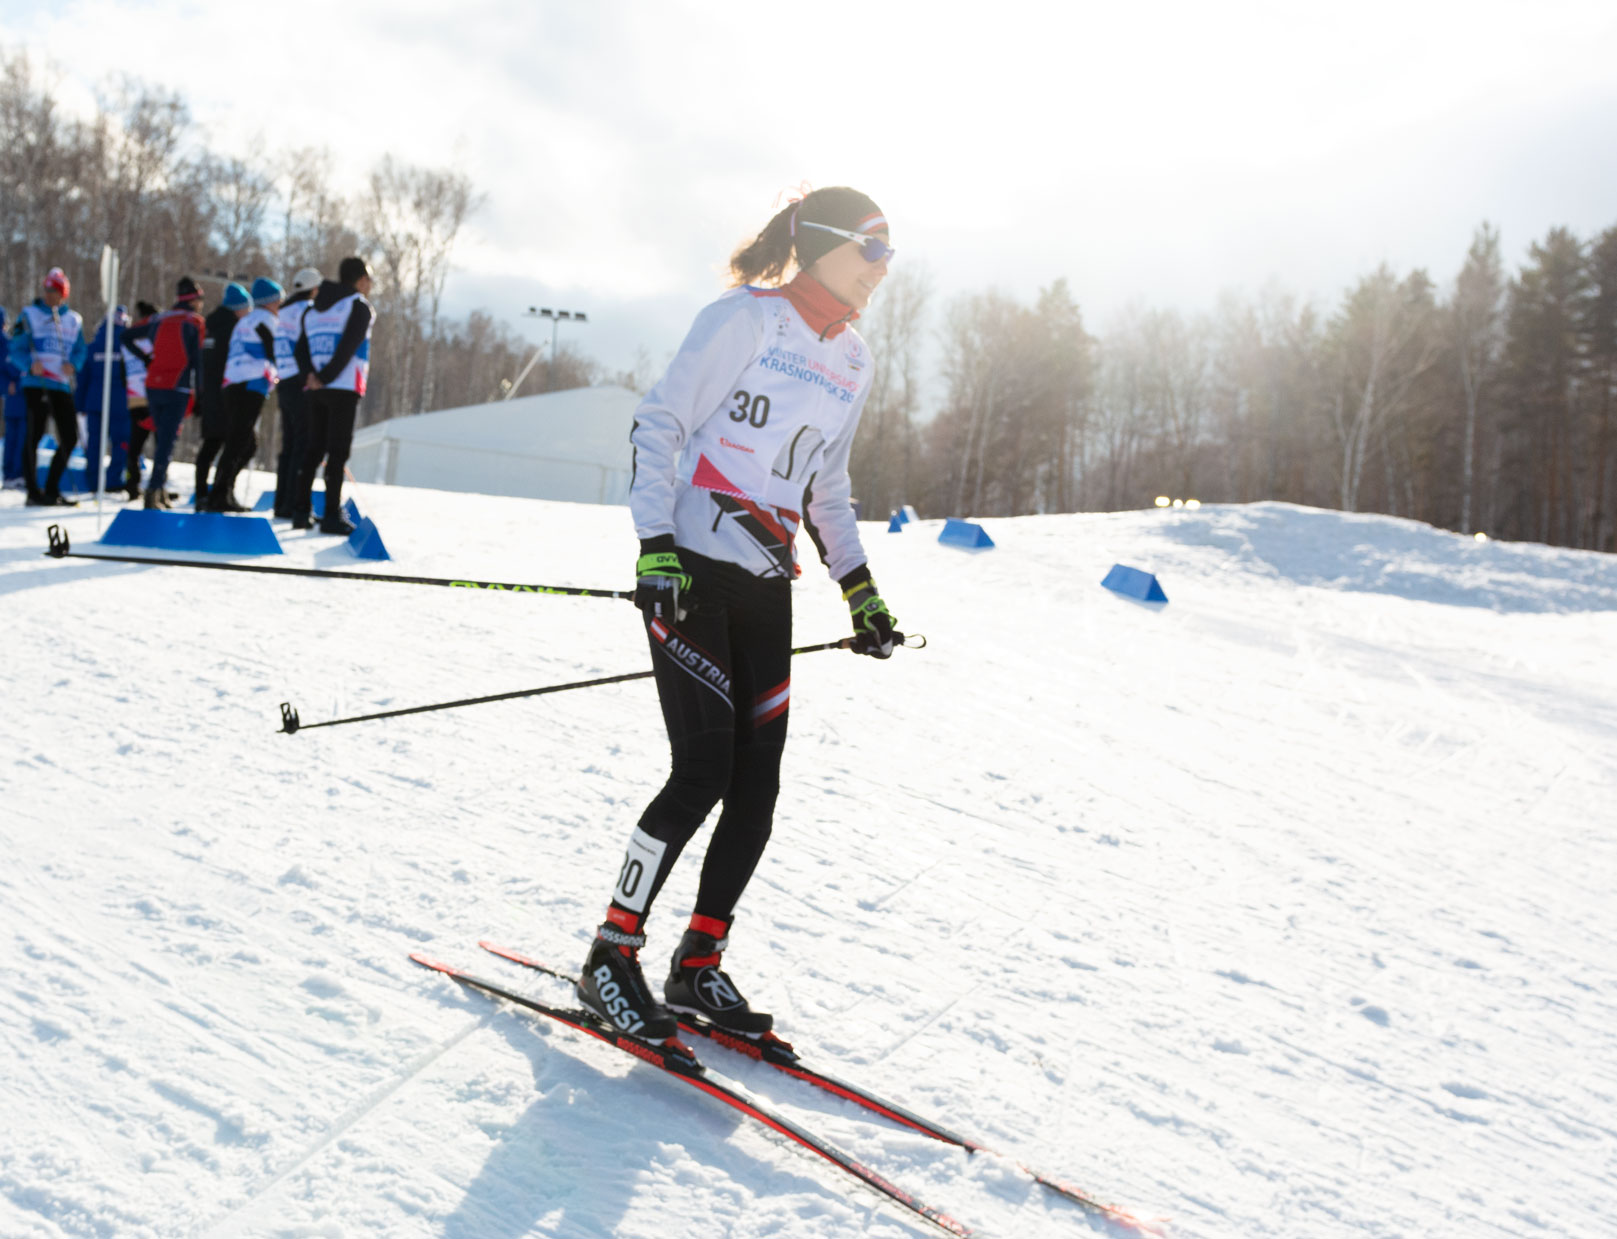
309	346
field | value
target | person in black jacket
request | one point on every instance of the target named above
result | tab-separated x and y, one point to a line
250	376
290	398
218	328
334	356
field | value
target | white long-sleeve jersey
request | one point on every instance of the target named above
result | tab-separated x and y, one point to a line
748	430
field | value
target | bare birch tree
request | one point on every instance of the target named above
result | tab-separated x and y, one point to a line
1476	321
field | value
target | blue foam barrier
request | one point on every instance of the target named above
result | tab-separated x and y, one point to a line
265	502
903	515
1134	583
964	533
896	523
213	532
366	540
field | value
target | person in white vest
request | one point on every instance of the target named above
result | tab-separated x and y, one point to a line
48	347
250	376
334	353
290	398
218	327
745	438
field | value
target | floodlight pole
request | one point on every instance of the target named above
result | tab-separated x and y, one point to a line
556	317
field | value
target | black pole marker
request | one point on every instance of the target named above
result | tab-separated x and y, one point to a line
61	549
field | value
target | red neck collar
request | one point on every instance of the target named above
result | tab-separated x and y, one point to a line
825	315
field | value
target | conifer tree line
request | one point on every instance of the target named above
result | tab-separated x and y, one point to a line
139	175
1487	405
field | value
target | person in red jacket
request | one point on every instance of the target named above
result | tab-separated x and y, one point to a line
176	348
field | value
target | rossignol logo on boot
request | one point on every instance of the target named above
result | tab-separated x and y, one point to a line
611	995
717	993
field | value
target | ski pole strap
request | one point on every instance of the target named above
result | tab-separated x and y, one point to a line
60	548
291	724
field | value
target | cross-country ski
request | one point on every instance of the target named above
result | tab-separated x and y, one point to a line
772	1050
674	1058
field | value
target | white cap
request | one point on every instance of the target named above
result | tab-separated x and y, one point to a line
306	278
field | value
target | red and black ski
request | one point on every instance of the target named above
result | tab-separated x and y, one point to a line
779	1054
677	1060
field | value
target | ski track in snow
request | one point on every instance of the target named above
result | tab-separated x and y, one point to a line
1284	910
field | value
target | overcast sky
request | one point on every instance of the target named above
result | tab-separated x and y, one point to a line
1150	153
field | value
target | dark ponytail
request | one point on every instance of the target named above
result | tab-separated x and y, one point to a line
768	257
764	259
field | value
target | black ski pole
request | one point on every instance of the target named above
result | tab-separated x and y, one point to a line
61	549
291	724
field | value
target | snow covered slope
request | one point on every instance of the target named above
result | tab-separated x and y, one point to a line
1283	911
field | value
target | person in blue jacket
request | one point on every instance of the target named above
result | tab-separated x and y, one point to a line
47	344
16	417
88	398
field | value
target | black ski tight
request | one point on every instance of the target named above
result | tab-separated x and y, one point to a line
723	676
47	406
242	407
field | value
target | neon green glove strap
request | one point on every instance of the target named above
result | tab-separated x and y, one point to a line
662	563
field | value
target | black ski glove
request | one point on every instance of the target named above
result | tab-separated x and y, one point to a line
660	580
873	625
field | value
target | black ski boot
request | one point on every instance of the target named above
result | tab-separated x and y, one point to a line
695	986
612	986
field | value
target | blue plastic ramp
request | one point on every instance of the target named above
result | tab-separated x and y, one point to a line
317	508
213	532
317	505
1134	583
366	540
968	534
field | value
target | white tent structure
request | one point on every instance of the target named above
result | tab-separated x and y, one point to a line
571	445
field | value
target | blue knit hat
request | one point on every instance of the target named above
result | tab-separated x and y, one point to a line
266	290
236	297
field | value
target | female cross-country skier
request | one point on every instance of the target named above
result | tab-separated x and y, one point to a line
744	437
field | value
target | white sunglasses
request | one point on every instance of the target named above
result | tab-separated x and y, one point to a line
871	249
